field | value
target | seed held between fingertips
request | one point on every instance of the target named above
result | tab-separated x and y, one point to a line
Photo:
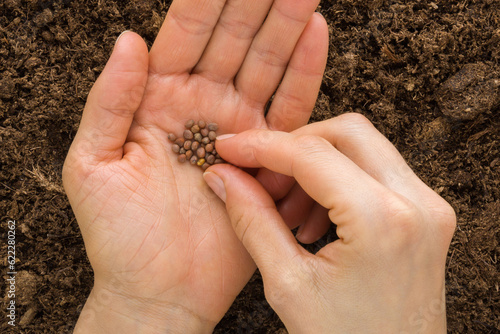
218	161
210	159
205	166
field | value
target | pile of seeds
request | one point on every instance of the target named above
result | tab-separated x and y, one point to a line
197	144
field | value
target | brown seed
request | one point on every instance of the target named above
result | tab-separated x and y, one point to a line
182	150
171	137
212	135
179	142
200	162
198	137
212	126
205	140
218	161
210	159
189	124
209	147
181	158
193	160
195	128
205	166
175	148
188	134
189	154
202	124
204	132
187	145
195	145
214	152
200	152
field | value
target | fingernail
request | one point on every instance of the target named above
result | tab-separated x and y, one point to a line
121	36
227	136
215	182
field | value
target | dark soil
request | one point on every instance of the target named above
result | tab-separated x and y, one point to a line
426	73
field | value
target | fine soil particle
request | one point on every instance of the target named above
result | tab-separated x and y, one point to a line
425	73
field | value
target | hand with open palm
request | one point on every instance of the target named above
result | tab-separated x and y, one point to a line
164	254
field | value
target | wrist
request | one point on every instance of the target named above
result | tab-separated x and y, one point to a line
107	311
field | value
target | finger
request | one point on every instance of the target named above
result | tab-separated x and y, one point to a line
357	139
329	177
296	207
316	225
296	96
114	98
254	217
238	24
184	35
270	52
276	184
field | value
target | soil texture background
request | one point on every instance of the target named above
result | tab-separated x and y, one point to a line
427	74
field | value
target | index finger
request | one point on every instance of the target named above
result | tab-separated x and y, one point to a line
325	174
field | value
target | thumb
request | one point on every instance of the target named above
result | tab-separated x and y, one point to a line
114	98
254	218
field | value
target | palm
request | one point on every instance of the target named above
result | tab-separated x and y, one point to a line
151	224
186	226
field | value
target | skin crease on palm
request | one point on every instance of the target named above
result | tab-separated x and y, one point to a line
162	249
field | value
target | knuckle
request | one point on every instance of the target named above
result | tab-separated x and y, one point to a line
298	277
310	150
260	138
407	224
310	143
354	125
402	219
279	289
354	120
445	217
